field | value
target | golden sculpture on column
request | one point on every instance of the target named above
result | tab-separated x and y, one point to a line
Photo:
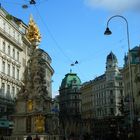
33	115
33	33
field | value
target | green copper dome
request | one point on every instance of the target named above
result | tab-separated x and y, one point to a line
71	79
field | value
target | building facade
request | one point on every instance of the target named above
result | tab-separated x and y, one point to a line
70	105
87	107
106	94
13	58
132	88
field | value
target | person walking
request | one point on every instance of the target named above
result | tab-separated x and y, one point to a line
29	137
37	137
2	138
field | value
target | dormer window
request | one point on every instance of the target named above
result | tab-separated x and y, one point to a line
74	80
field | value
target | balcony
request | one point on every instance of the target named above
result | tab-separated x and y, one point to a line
10	79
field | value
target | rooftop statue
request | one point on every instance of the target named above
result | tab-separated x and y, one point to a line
33	33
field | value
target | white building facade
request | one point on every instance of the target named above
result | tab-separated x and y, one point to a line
108	90
105	99
13	54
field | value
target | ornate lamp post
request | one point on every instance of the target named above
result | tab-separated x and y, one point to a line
108	32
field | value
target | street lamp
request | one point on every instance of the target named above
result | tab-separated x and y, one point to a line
108	32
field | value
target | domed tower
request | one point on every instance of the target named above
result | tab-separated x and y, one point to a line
114	85
70	104
111	66
111	61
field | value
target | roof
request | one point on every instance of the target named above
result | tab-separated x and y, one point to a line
111	57
70	79
11	17
136	48
135	53
41	50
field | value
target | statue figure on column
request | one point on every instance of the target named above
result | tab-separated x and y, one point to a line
33	34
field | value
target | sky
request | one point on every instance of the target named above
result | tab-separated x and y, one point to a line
73	30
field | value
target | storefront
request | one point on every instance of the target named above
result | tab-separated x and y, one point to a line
6	127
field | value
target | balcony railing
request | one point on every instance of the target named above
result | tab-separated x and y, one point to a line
10	78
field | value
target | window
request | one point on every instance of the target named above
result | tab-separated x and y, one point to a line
9	30
13	91
3	67
8	88
120	83
111	101
8	69
138	93
18	74
105	100
13	53
4	46
128	86
3	88
111	92
121	92
17	56
13	71
8	49
105	111
18	37
111	111
13	33
4	25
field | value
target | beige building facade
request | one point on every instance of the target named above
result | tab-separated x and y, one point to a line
132	85
104	92
87	107
101	97
14	55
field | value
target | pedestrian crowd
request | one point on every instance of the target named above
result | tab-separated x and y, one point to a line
30	138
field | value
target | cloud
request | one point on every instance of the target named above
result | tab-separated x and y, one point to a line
115	4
